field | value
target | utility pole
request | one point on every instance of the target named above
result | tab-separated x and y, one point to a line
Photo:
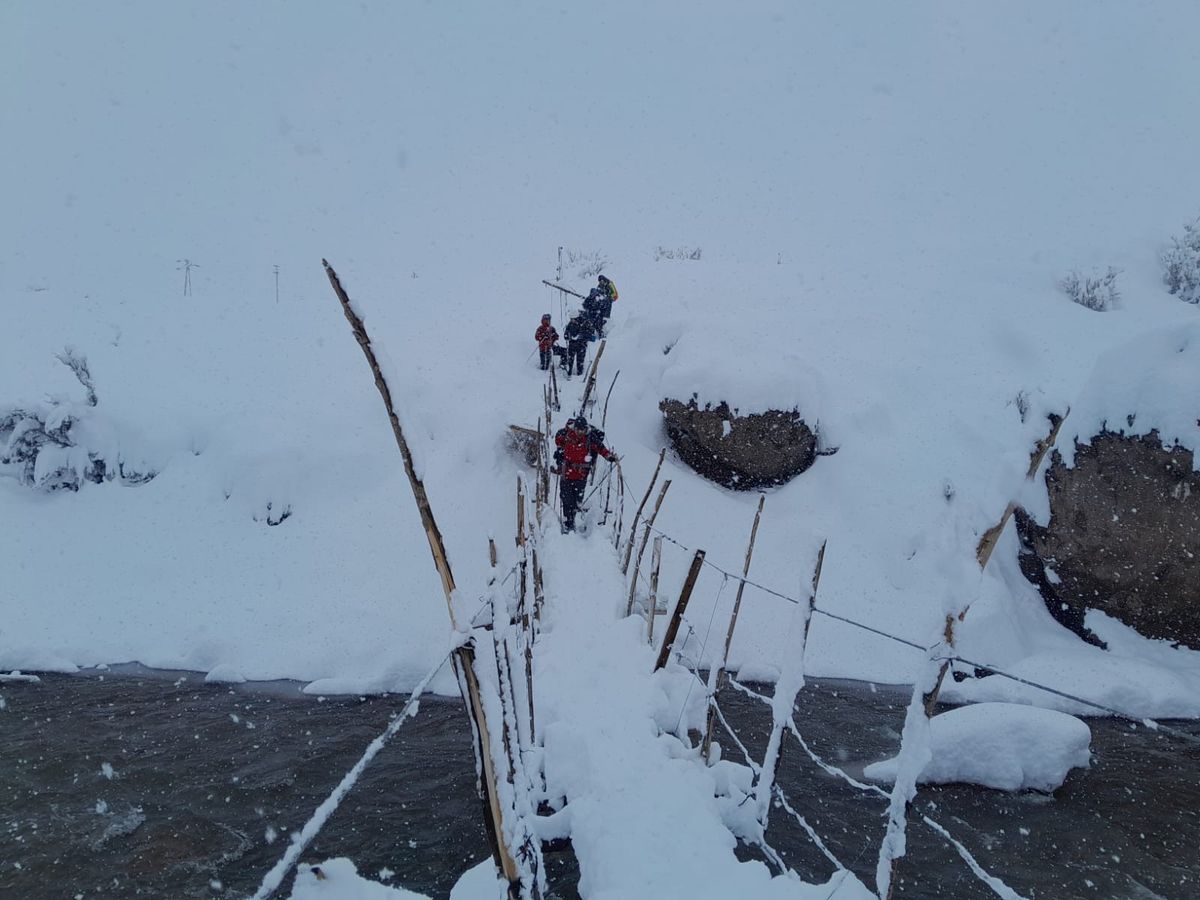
186	266
276	283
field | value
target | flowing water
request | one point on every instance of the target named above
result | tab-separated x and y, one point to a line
142	785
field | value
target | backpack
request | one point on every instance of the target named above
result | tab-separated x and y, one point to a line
609	287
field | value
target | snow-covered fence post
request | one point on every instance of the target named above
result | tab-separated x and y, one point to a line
677	616
717	675
523	603
783	701
463	657
914	740
637	515
642	547
652	611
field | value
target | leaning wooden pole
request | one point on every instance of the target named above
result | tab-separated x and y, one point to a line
637	564
719	679
591	379
637	515
436	545
677	615
893	846
463	657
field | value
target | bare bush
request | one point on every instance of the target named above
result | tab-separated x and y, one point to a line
587	263
1098	292
676	253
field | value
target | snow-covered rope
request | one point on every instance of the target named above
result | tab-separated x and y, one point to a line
303	838
998	886
703	645
816	838
1152	724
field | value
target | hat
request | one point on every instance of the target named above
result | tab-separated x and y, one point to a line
545	317
579	422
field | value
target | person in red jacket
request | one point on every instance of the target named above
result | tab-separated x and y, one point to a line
546	337
578	446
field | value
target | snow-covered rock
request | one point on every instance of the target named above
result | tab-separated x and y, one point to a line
1005	746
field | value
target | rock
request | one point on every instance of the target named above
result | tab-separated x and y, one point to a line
1123	537
740	452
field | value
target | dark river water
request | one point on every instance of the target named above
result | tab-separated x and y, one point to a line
144	785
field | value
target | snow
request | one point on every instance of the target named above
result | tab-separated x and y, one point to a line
338	879
885	197
1000	745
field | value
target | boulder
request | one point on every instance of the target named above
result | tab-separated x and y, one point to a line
742	452
1123	537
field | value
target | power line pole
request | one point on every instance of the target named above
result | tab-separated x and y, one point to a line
186	266
277	283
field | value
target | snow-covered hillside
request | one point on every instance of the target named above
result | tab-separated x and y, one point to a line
884	199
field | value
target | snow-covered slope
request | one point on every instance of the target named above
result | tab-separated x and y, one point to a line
884	199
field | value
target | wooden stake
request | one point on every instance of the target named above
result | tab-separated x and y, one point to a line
463	658
492	551
655	563
983	553
436	545
677	616
737	606
591	379
520	511
637	515
607	397
642	548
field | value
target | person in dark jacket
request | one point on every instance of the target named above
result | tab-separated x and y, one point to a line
578	446
593	311
607	296
546	336
578	332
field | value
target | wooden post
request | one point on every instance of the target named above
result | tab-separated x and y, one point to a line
436	545
465	669
492	551
607	397
642	548
655	563
591	379
677	616
719	681
983	553
520	511
463	658
637	515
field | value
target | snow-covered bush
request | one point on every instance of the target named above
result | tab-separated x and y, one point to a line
1098	292
1181	264
60	443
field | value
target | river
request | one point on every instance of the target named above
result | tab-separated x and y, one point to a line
152	784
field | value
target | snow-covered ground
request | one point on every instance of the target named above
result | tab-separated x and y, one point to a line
882	199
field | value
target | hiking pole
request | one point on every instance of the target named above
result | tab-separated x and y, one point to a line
563	289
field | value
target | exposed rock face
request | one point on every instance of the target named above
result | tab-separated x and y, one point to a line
1124	537
740	452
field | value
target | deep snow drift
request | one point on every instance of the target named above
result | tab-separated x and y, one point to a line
884	199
